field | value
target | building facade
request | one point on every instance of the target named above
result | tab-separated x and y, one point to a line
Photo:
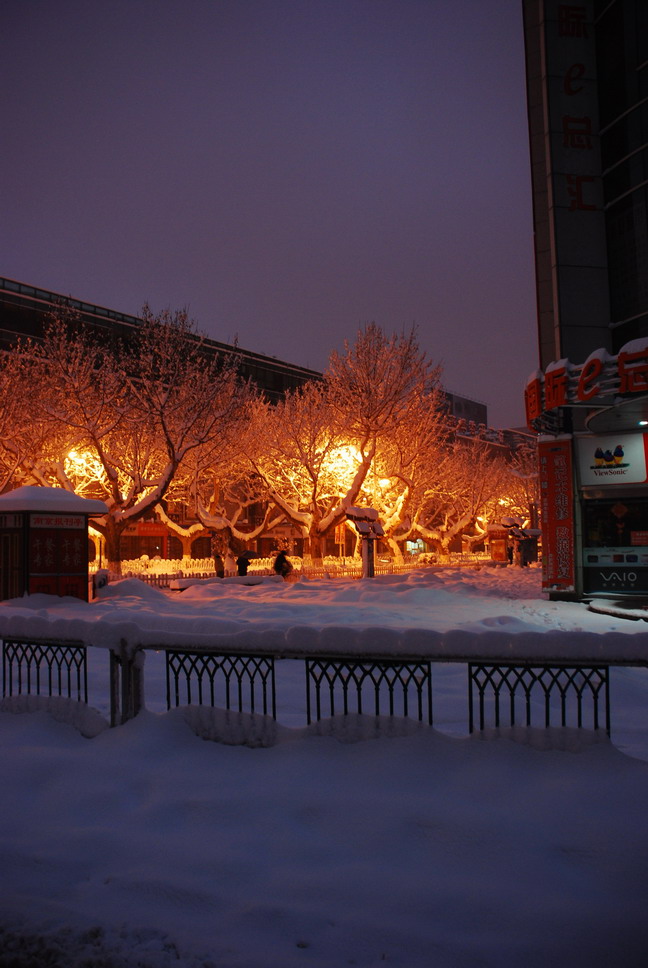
25	309
587	97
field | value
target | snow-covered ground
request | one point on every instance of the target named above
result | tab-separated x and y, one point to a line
362	843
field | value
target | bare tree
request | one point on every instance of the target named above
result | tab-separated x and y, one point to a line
23	440
521	497
404	462
319	451
468	478
136	411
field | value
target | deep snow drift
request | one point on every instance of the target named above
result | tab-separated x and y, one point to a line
357	842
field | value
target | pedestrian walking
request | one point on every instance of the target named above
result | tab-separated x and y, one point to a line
242	564
219	567
282	566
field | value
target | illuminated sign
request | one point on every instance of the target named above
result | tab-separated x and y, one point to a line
597	381
618	459
49	520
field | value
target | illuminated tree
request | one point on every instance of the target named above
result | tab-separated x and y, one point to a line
467	481
373	383
321	449
134	412
405	462
296	450
521	497
22	439
219	497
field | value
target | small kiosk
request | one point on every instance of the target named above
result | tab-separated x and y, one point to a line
44	542
498	543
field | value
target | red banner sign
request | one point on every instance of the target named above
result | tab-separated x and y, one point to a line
55	551
557	502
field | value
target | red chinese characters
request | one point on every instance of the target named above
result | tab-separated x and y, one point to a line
577	133
555	388
557	513
572	20
533	400
633	371
575	184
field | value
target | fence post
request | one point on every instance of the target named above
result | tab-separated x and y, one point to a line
126	682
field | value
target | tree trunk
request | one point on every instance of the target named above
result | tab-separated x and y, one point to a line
396	550
113	533
186	543
315	545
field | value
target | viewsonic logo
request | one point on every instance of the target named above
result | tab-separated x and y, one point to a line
609	458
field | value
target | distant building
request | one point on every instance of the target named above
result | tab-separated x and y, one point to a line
24	310
587	93
464	408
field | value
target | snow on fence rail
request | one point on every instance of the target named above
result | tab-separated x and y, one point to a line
501	692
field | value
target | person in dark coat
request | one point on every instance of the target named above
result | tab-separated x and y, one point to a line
219	567
281	565
242	564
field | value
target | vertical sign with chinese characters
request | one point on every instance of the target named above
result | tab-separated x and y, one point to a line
571	253
579	228
58	553
557	502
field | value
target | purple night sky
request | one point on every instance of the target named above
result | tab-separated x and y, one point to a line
287	170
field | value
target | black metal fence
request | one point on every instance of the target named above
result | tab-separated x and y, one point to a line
500	693
241	682
568	695
375	686
35	668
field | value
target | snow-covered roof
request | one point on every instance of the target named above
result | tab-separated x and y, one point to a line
54	499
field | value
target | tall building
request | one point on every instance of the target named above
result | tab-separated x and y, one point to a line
587	95
587	92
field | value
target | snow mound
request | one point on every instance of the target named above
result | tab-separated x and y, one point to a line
564	739
88	721
131	588
358	727
633	610
232	728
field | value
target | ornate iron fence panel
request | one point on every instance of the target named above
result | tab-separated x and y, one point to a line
378	686
569	693
242	682
43	668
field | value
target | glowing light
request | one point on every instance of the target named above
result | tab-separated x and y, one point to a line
343	462
84	469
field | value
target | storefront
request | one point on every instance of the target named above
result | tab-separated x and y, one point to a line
593	452
612	475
